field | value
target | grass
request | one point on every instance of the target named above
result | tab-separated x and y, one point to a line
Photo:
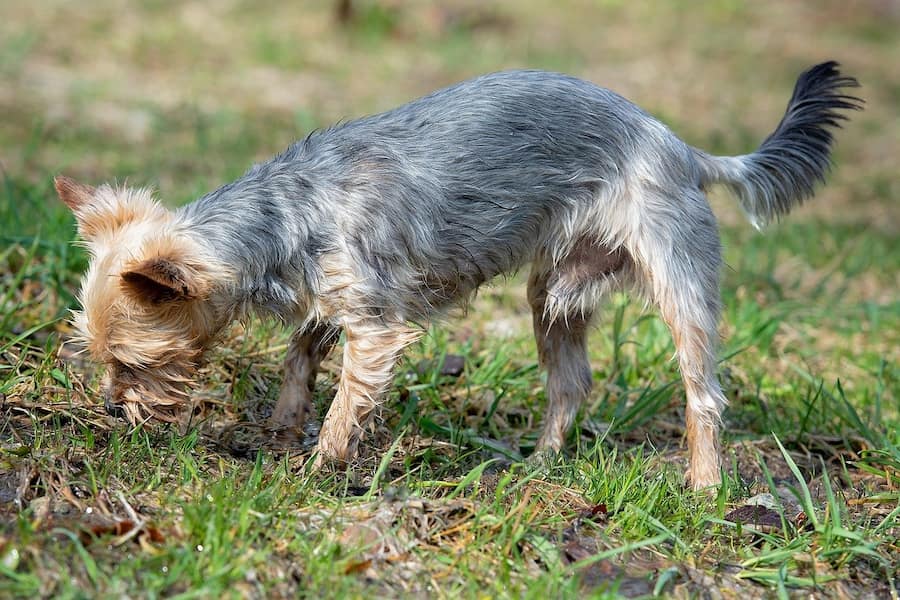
444	505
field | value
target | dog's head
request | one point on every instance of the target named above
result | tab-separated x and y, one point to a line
144	312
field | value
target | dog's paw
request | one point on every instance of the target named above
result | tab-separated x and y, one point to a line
706	483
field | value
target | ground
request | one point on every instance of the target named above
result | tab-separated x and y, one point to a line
184	96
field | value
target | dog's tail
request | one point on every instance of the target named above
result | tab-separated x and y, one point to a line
783	172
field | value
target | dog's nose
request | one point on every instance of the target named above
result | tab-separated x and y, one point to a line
112	409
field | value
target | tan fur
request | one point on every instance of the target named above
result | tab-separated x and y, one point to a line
702	413
370	352
74	194
703	443
151	349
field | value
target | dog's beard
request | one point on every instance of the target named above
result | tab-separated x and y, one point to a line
138	399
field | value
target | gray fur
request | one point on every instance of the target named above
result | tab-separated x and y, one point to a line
433	198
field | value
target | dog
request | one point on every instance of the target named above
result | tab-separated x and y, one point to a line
375	226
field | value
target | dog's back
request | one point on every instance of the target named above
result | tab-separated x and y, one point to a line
444	193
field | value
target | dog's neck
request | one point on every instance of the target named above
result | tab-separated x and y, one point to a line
265	250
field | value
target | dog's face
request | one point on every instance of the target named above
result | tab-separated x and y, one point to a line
144	309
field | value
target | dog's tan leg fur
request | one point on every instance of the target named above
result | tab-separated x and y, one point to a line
371	350
703	444
704	399
307	349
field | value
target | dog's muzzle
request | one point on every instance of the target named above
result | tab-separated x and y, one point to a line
113	409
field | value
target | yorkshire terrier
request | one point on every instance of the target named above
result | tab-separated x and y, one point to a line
376	226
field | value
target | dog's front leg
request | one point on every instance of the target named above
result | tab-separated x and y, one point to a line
307	348
371	350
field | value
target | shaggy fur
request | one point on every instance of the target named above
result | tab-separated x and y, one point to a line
388	220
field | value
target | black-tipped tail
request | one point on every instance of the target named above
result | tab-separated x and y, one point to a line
785	169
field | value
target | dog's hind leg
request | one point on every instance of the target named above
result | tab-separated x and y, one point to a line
679	259
562	352
562	299
307	349
371	350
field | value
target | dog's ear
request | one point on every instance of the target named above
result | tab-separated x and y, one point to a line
80	198
76	195
159	280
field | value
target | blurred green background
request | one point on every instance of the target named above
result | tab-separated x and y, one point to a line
184	95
